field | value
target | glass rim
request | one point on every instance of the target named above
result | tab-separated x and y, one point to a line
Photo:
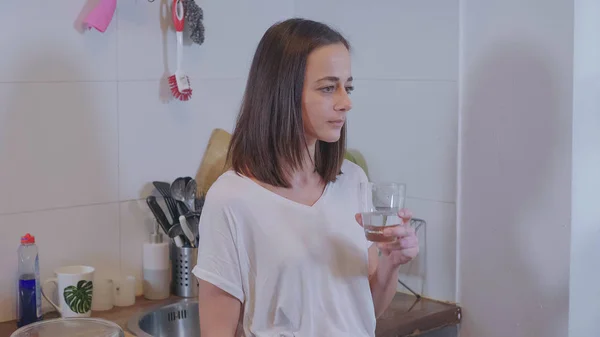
66	320
383	183
74	270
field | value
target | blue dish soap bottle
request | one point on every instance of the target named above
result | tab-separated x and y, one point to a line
29	304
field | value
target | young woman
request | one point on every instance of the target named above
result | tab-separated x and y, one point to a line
281	251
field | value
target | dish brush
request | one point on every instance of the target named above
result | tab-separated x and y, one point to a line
179	82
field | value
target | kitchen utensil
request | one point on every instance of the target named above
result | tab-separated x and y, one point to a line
190	194
183	260
191	238
179	82
164	189
178	192
176	233
80	327
183	208
178	189
193	219
158	213
214	162
198	204
75	286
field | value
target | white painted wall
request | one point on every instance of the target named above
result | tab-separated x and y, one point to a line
85	128
584	313
514	238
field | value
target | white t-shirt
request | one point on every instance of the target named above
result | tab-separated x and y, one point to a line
298	270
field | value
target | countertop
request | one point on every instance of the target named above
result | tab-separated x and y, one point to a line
406	316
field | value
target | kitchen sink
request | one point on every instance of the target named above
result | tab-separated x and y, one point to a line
180	319
173	320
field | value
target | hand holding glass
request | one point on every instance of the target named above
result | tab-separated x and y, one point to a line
380	204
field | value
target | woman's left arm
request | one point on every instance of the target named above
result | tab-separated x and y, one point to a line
384	267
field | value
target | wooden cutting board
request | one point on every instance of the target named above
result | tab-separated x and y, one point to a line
214	163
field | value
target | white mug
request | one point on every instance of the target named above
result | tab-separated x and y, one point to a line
75	287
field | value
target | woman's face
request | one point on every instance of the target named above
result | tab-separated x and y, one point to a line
325	100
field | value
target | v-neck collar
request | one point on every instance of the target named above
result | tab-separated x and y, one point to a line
284	199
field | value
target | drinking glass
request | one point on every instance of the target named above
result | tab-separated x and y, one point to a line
379	206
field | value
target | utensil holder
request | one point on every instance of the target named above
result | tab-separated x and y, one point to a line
183	282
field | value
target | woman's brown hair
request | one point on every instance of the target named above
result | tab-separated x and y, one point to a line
268	142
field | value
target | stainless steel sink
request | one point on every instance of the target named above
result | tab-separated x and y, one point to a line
171	320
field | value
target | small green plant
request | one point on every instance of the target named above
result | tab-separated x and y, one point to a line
357	158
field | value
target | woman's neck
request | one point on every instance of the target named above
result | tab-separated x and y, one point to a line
306	185
306	175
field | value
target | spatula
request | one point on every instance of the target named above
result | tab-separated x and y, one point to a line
164	189
158	213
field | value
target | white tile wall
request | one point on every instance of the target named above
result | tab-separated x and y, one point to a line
159	141
41	41
147	44
393	39
86	124
407	131
58	145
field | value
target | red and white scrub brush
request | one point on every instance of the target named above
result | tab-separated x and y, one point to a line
179	82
